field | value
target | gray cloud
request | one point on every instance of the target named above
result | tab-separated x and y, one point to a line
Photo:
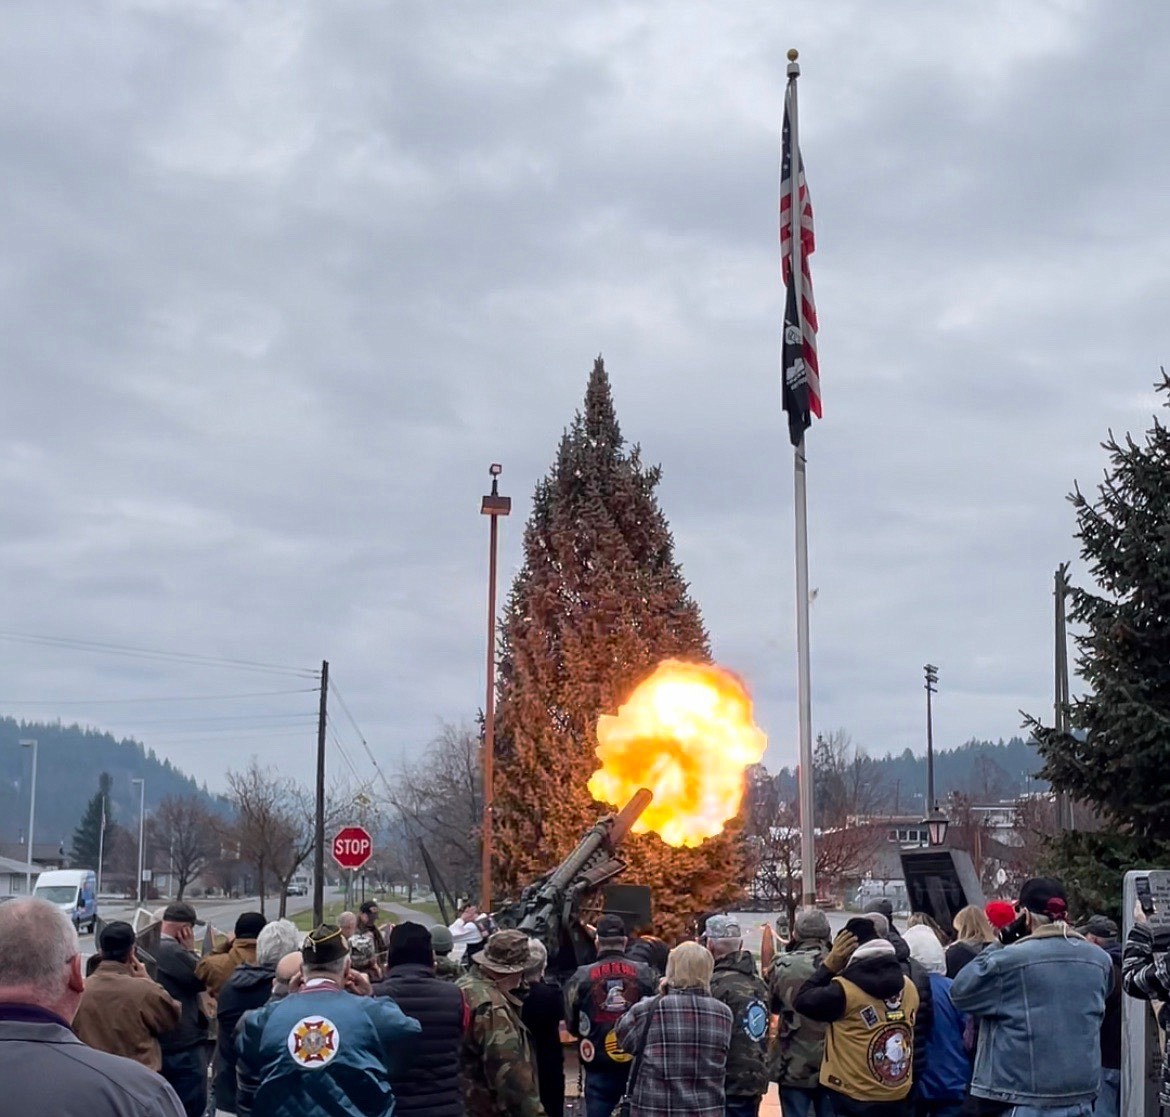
281	280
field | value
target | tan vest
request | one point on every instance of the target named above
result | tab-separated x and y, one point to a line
868	1050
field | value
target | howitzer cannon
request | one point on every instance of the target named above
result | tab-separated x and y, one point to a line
549	909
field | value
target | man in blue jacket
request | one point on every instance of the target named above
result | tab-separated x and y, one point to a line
1040	1000
328	1047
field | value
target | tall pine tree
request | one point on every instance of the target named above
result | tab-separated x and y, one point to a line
598	602
1117	758
87	836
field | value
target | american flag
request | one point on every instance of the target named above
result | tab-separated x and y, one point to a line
802	381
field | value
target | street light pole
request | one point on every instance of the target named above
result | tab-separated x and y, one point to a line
30	743
494	506
931	673
141	781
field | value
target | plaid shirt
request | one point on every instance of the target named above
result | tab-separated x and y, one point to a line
685	1060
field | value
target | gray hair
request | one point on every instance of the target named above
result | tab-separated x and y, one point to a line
720	948
347	922
331	969
537	960
37	941
880	922
277	939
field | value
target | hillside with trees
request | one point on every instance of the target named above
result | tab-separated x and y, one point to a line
70	761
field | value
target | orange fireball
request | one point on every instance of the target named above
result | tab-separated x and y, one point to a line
687	734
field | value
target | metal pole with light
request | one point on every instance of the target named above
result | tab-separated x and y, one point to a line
931	673
30	743
141	831
937	825
494	506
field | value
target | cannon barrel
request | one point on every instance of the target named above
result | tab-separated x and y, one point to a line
545	906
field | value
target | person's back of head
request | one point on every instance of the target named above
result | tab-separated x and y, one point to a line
39	959
690	966
925	948
288	967
116	942
347	921
442	941
972	925
880	922
811	925
277	939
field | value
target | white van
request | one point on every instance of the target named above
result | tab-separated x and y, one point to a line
74	891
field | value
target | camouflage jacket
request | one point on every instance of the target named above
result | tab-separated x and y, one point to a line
799	1046
499	1072
447	968
737	984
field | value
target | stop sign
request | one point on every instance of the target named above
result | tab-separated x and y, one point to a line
352	847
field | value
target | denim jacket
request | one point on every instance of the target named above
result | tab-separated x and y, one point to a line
1040	1003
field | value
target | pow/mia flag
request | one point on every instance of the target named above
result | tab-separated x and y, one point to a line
797	402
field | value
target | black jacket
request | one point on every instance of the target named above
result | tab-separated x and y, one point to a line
1111	1025
429	1084
176	974
736	982
924	1023
542	1012
821	998
248	987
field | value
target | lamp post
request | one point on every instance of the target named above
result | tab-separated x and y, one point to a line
494	506
141	831
937	824
931	673
30	743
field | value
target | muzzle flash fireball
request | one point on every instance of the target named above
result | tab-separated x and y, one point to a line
687	734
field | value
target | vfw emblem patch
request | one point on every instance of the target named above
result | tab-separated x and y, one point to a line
313	1042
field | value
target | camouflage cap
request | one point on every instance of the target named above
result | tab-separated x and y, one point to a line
506	952
362	950
722	927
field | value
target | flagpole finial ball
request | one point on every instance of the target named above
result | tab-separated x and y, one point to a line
793	54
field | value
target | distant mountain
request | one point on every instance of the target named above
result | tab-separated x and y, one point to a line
69	761
988	771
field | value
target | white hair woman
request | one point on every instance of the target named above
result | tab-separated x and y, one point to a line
683	1035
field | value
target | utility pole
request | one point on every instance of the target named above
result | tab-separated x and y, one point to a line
141	781
1064	806
30	743
493	506
931	673
319	827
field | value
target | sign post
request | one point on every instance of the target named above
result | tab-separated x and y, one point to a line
352	847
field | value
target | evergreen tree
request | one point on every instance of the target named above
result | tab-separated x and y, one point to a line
87	836
598	602
1116	758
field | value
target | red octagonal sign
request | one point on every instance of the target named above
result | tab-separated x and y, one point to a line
352	847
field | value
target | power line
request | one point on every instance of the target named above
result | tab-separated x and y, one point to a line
156	654
225	717
165	698
361	737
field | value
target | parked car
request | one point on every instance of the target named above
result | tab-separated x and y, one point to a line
298	888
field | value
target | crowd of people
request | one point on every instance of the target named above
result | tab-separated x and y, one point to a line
1016	1011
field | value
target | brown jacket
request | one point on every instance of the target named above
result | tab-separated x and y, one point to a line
124	1014
214	969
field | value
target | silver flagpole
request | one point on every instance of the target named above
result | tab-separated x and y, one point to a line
808	865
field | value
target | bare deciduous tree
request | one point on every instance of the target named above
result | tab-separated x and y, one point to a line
188	834
440	800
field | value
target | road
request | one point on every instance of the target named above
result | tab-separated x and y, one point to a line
220	913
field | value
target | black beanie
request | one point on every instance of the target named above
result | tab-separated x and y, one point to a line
249	925
410	942
862	929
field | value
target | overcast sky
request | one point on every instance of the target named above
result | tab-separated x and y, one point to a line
279	280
